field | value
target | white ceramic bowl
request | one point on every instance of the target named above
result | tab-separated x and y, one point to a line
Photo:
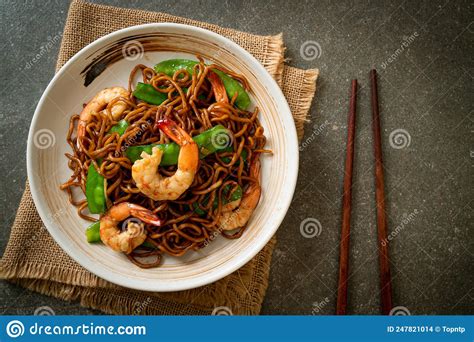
64	96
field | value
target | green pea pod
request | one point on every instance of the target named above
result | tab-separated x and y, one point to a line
170	153
232	86
95	192
215	139
237	194
170	66
93	232
120	127
147	93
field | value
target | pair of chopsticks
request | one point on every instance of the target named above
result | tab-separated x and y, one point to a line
384	263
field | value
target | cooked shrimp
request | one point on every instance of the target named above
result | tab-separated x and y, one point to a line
98	103
217	87
134	234
231	205
232	219
145	170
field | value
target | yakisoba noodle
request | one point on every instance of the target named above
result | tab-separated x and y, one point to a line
195	101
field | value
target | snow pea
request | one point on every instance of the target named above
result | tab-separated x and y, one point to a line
93	232
95	191
147	93
120	127
170	66
217	138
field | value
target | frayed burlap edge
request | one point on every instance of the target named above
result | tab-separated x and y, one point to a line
118	300
275	57
307	93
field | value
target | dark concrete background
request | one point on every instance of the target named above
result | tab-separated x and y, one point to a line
423	51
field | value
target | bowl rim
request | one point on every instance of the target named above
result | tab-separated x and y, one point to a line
233	264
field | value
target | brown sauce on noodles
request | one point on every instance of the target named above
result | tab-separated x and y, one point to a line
194	110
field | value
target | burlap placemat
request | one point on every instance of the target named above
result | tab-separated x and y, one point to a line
33	260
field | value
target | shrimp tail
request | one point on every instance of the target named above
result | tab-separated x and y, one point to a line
146	216
255	167
253	192
143	214
174	132
217	87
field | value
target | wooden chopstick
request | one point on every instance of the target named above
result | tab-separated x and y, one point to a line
384	263
346	206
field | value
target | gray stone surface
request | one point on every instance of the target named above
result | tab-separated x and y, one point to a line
425	88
